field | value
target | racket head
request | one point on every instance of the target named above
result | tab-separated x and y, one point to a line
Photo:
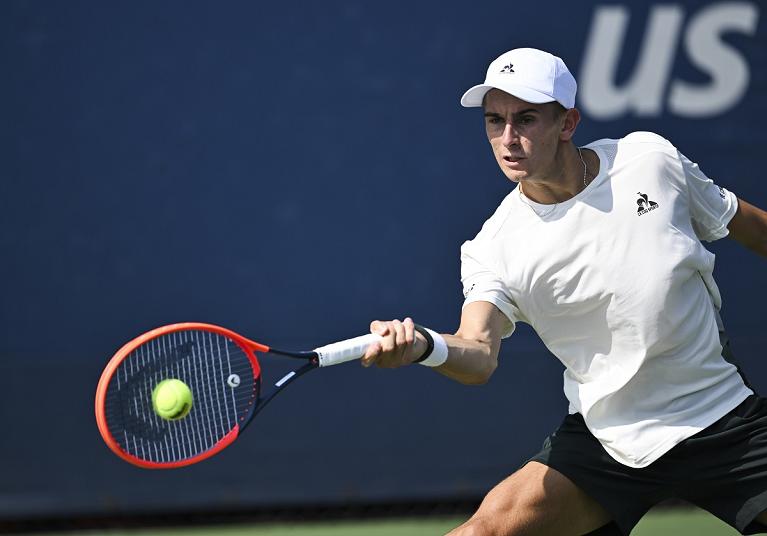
222	371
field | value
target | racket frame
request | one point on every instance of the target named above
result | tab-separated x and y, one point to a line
248	346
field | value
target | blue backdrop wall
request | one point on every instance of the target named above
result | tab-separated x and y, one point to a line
293	171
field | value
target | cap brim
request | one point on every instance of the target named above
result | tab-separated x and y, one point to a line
474	96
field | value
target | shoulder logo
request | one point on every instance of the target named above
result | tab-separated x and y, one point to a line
721	193
466	292
644	204
508	68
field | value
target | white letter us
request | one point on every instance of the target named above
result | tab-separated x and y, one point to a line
643	93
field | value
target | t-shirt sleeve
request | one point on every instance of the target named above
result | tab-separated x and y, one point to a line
482	284
711	206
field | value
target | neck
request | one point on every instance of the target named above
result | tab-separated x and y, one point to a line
564	179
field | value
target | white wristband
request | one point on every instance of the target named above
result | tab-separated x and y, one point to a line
438	354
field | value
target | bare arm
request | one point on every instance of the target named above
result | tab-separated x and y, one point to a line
749	227
472	351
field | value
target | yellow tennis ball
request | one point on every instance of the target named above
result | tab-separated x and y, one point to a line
172	399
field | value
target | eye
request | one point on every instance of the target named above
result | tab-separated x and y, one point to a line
526	119
494	120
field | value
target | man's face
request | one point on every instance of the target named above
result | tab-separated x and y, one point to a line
524	136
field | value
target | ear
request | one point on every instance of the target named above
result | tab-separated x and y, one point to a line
571	119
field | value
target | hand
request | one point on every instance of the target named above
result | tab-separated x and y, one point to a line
401	344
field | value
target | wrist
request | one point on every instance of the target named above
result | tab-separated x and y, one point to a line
435	353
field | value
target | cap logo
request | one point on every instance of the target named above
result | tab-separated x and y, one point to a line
508	68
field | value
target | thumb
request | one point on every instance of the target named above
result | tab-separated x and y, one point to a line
372	352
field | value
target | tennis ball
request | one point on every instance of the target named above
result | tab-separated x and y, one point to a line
172	399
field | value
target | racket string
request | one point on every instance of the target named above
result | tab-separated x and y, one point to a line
206	362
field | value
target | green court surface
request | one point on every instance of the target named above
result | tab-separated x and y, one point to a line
676	522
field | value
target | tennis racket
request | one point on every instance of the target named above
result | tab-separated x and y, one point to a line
223	373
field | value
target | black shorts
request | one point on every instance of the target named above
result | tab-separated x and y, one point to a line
722	469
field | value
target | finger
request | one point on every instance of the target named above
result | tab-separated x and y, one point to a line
388	338
378	327
400	337
409	330
402	344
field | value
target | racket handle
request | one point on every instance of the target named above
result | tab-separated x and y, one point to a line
343	351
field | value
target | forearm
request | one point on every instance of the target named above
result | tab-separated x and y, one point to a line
472	353
470	361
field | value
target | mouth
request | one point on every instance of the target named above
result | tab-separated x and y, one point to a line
512	160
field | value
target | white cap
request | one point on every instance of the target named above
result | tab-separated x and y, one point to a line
529	74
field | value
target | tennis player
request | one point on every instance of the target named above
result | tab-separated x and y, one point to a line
599	248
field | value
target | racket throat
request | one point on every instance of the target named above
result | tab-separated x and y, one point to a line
280	385
286	378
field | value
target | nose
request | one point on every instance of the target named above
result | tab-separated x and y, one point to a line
510	135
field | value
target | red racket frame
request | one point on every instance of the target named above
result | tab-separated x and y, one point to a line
248	346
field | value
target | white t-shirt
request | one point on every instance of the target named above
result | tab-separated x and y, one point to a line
618	286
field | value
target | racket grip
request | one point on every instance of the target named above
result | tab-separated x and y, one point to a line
343	351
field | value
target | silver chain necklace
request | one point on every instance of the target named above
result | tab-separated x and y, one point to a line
585	173
580	155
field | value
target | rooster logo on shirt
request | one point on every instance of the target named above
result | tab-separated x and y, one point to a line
644	204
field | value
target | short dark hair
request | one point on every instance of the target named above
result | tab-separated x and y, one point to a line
558	109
